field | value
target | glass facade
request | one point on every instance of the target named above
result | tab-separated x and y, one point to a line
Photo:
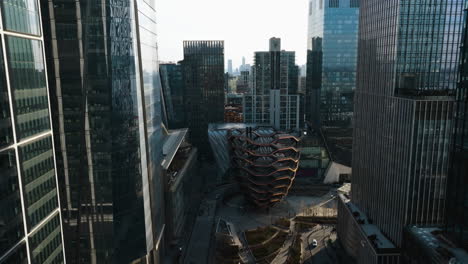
38	178
404	108
6	132
203	74
173	88
10	202
106	101
29	200
457	193
27	80
336	24
46	243
21	16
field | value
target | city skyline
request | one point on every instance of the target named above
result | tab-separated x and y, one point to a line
235	24
196	132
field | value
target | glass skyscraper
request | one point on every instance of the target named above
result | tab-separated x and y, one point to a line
106	100
404	112
203	75
173	90
30	218
331	73
335	24
457	193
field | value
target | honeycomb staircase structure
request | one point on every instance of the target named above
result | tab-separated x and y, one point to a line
265	161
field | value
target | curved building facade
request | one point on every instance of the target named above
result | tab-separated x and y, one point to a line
266	162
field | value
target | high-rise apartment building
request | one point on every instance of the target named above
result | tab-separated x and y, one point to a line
404	114
203	74
335	23
30	218
106	101
273	99
173	91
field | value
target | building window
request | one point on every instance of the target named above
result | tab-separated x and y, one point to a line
334	3
354	4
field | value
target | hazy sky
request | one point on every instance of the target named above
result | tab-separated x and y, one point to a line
244	25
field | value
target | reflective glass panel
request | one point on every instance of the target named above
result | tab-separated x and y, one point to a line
28	84
46	243
6	134
38	174
18	256
11	217
21	16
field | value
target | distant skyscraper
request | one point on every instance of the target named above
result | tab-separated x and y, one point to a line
230	67
244	67
404	114
106	96
173	90
30	218
244	82
274	100
275	44
203	73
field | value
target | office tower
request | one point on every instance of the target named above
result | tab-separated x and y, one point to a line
173	94
457	193
331	70
314	83
404	115
203	73
274	100
106	95
336	24
30	218
230	67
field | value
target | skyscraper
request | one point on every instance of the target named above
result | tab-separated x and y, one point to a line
203	74
30	218
331	73
404	114
105	89
173	90
274	100
230	67
335	23
314	83
457	193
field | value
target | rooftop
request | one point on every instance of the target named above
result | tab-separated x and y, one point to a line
172	143
372	232
434	239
